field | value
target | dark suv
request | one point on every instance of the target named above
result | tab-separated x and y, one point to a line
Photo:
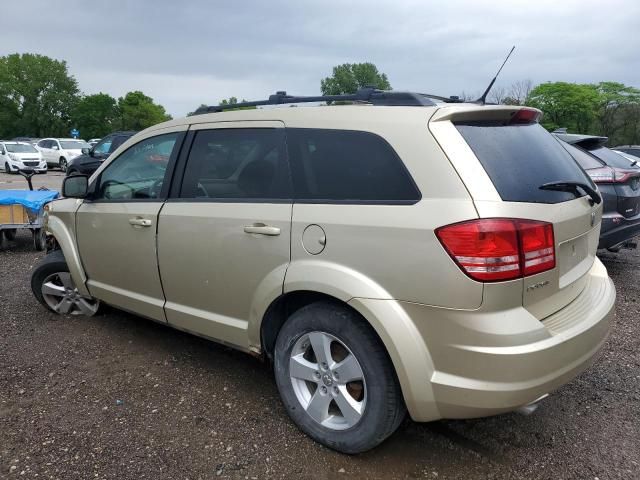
618	180
90	160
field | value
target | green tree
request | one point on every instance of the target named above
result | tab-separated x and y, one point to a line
37	96
613	101
570	105
95	115
349	77
138	111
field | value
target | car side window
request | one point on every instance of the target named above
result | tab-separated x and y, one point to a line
347	166
43	144
104	147
139	172
117	141
248	163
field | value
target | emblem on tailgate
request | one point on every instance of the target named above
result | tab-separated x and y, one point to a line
535	286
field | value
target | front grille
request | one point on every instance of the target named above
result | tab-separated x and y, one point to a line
31	164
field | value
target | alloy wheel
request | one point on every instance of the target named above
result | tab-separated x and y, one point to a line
328	380
62	296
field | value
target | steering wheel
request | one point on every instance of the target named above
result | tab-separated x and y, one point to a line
107	183
156	188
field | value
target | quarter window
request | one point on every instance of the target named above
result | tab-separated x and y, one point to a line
347	166
138	173
237	164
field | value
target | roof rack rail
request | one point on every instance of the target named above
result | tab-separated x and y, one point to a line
364	95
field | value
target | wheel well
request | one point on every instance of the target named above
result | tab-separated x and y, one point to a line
282	308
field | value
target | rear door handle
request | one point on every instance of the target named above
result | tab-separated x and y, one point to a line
140	222
262	229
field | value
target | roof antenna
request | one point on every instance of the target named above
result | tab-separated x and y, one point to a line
483	98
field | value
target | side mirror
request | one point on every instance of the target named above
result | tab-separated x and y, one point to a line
86	151
75	186
54	147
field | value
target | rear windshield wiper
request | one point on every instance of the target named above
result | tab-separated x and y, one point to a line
572	187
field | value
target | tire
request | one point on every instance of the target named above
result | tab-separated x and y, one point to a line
39	239
380	407
53	272
10	234
63	164
7	168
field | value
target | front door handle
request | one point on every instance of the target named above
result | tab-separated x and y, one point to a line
262	229
140	222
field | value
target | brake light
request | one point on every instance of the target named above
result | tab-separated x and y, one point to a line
497	249
525	116
601	175
611	175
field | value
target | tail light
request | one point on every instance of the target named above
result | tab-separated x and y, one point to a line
496	249
611	175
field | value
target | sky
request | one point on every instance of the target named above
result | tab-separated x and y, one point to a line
185	53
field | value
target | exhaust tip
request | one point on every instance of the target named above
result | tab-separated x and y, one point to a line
529	408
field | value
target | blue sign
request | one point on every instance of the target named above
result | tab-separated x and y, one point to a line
75	133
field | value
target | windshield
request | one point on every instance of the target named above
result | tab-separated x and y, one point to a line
521	158
74	144
20	148
611	158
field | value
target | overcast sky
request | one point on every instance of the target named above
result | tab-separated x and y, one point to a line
184	53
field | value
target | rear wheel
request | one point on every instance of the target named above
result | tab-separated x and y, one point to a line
63	164
335	378
10	234
53	286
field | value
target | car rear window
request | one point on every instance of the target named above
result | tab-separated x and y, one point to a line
611	158
347	166
521	158
584	159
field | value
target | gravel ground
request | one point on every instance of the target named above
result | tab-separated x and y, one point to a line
119	397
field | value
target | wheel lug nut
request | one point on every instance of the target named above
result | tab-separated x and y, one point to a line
336	390
336	375
316	374
323	389
324	365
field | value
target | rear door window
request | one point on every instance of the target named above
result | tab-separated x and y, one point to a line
347	166
521	158
237	164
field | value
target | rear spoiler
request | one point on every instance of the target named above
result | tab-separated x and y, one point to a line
498	113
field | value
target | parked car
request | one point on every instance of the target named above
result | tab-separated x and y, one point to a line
92	158
57	152
619	183
16	156
629	149
400	255
30	140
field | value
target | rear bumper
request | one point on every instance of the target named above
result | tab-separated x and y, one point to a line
489	363
617	229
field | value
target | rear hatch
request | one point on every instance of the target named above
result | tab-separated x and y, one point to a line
517	156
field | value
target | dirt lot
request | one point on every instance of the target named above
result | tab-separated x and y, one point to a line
119	397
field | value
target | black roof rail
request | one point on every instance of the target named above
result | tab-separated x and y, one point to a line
365	95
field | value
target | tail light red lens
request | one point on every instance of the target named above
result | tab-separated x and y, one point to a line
496	249
525	116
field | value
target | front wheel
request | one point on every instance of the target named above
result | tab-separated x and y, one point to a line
39	239
335	378
63	164
53	286
7	168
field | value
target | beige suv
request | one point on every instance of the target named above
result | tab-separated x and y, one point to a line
397	255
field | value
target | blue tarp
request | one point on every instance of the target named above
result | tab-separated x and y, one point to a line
31	200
